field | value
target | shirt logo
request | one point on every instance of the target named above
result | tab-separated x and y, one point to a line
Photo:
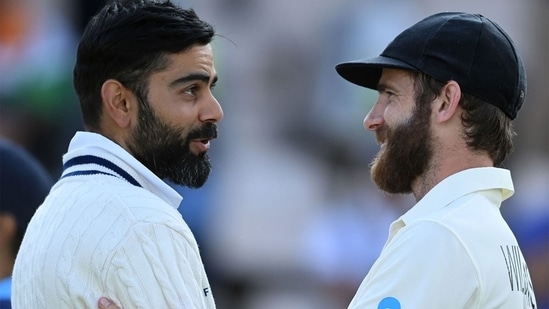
389	303
519	276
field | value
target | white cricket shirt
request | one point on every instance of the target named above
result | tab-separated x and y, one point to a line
109	227
453	249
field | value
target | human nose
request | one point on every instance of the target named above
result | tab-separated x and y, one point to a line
374	119
212	111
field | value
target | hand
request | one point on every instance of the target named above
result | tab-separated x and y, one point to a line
105	303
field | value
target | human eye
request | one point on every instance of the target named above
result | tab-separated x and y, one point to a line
190	90
388	94
386	91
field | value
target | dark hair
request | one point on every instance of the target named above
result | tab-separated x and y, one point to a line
486	127
127	41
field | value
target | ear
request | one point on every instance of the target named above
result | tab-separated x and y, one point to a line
117	102
448	102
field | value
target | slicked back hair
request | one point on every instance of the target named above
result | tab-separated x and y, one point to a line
127	40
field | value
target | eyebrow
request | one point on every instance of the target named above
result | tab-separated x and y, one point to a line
193	77
382	87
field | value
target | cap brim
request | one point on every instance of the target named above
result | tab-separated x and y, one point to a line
367	72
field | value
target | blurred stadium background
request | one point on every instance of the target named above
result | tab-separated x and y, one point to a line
289	217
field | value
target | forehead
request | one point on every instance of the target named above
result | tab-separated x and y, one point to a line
396	79
196	59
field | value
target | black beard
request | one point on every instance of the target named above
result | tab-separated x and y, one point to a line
162	150
407	153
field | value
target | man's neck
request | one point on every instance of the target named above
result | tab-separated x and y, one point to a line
442	167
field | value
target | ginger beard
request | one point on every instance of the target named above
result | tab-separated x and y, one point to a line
407	152
161	148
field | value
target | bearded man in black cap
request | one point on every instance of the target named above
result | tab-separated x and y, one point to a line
449	88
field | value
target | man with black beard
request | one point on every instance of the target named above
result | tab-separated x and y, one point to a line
144	75
449	87
162	149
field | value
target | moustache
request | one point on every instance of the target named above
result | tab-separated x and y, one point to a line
207	131
381	135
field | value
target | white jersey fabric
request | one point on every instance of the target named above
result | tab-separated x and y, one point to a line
453	249
109	227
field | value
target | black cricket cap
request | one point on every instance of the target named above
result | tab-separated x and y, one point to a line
467	48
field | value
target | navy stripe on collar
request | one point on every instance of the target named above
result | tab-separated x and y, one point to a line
89	159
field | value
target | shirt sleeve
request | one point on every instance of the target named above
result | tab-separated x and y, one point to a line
424	266
157	267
